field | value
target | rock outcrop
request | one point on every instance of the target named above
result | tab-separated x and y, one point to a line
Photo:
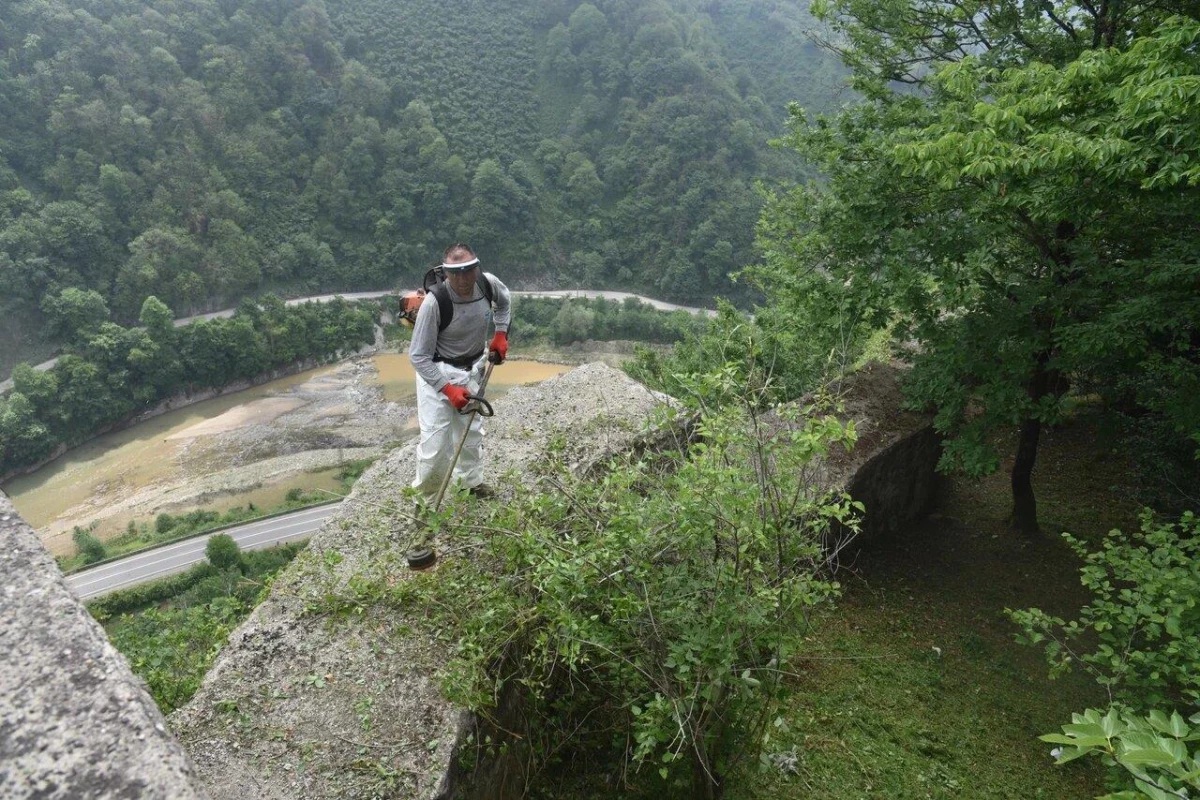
326	692
75	722
348	704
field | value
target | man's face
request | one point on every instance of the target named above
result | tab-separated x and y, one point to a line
463	283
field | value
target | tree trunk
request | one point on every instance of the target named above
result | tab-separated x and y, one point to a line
1024	514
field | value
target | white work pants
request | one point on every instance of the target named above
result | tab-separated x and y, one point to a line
442	428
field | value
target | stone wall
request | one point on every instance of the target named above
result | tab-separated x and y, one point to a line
891	468
75	722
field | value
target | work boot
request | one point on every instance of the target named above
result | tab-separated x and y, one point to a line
482	491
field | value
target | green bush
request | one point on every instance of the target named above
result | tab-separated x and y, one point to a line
172	644
223	552
172	648
90	548
664	599
1140	634
139	597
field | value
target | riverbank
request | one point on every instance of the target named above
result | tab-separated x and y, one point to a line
6	383
252	447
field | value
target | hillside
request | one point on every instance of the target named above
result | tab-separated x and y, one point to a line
200	153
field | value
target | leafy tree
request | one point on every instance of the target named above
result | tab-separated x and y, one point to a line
999	223
40	387
74	314
223	552
24	438
158	320
573	323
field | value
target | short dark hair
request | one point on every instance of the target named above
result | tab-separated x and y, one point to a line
457	247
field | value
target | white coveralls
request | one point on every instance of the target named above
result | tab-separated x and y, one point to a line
442	427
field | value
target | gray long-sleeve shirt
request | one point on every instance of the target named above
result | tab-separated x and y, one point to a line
467	333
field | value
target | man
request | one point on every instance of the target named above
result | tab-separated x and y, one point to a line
449	362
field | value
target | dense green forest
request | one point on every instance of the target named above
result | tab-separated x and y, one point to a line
200	152
1010	205
1011	208
110	372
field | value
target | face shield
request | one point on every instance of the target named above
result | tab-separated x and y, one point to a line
460	267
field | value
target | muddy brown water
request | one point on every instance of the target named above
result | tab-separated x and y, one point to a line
398	380
66	491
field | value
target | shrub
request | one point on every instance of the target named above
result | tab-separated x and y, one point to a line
223	552
139	597
1143	619
91	548
163	523
663	598
172	648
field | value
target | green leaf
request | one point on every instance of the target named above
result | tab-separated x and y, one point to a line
1142	758
1077	741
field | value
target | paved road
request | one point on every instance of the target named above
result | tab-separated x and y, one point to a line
172	558
618	296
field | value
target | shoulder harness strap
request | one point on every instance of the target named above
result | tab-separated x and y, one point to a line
441	293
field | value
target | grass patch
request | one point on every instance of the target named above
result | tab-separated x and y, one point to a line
171	630
923	692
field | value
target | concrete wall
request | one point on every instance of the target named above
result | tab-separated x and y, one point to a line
75	722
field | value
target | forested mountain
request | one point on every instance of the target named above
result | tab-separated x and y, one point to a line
206	150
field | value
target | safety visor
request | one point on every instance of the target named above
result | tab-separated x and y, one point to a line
461	267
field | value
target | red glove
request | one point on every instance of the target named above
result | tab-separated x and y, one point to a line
456	394
500	345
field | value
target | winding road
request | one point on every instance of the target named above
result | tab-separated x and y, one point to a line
169	559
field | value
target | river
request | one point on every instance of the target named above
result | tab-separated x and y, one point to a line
249	447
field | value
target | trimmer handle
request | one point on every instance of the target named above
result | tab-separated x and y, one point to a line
482	407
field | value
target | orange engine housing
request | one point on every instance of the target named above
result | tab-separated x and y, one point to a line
410	303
